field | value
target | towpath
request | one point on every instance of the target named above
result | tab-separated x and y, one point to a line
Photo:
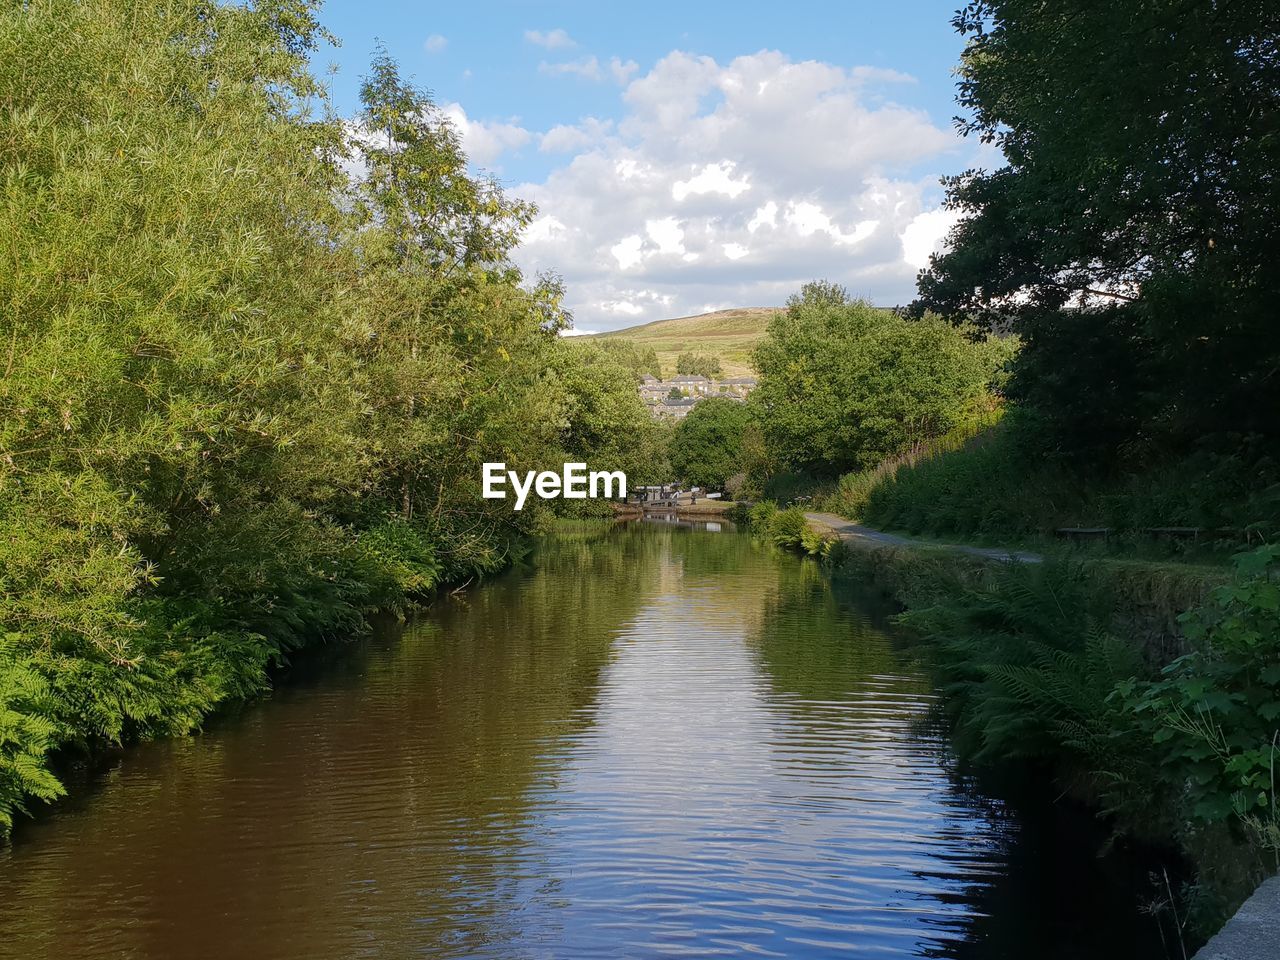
859	535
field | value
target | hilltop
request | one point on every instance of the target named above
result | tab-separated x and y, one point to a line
727	334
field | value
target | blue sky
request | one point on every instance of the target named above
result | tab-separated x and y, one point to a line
687	156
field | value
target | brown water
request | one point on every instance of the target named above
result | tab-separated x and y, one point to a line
658	742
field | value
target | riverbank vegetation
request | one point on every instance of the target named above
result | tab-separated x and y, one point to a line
1122	253
1156	706
254	356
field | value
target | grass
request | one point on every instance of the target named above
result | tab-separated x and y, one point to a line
729	335
986	486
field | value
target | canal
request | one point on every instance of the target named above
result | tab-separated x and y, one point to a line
647	742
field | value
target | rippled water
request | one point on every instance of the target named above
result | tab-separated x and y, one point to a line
652	743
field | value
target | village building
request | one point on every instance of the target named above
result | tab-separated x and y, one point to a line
692	383
675	409
675	397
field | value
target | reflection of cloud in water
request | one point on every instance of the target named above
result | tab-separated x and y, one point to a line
707	806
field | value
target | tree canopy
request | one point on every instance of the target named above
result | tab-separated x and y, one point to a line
1140	189
698	365
844	384
253	358
707	445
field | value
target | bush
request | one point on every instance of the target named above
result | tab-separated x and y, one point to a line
1214	715
846	385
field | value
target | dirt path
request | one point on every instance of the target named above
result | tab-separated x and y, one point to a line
866	537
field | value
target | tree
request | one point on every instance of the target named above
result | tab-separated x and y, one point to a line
706	446
844	384
605	423
1140	191
698	365
254	357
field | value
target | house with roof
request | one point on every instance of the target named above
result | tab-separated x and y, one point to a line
675	409
735	386
692	383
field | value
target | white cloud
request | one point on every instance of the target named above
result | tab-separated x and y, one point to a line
627	251
666	235
624	308
484	142
622	70
556	39
435	43
713	178
543	228
924	235
566	138
588	68
735	183
766	216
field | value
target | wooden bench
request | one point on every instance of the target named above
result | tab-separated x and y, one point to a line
1083	533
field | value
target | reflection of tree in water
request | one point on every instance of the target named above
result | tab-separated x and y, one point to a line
430	794
1065	889
382	808
1006	884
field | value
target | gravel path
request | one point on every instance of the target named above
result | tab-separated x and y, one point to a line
865	536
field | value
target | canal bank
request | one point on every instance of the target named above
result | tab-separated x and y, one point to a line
649	741
1035	654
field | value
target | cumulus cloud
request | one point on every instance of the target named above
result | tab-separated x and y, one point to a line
435	43
566	138
923	236
733	184
484	142
556	39
590	68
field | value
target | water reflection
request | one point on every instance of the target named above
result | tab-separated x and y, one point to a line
651	742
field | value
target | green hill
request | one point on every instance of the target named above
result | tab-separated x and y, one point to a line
726	334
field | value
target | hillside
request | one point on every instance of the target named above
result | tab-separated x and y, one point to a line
726	334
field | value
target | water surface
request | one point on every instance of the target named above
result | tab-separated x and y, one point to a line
654	742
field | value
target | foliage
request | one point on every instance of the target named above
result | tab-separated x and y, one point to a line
1028	668
706	447
253	359
27	733
844	385
1214	714
853	490
638	357
1129	233
788	529
1039	666
605	421
1000	483
698	364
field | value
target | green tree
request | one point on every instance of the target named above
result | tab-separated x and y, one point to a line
707	446
1138	196
253	359
172	375
844	384
605	423
698	365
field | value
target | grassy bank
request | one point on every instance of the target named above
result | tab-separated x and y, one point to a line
1151	693
1147	690
998	483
